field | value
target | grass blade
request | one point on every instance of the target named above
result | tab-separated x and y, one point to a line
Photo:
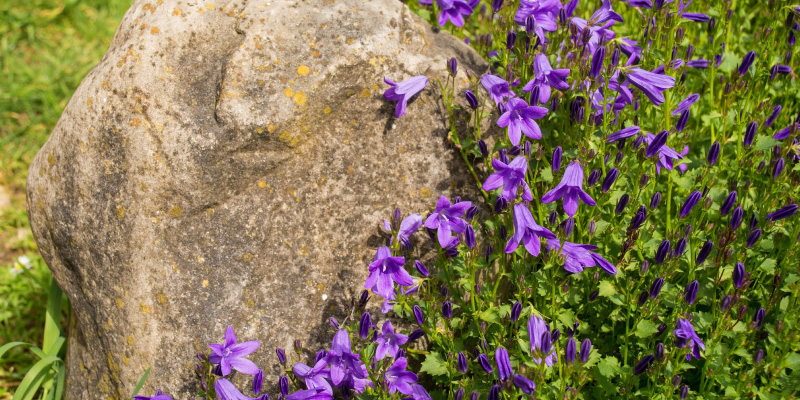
34	378
8	346
52	323
141	382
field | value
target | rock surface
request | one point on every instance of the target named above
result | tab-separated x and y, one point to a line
228	163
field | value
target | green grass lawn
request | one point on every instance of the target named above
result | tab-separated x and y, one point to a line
46	48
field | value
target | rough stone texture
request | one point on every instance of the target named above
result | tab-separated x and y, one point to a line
228	163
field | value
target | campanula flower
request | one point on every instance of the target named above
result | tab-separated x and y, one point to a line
527	231
643	364
686	103
546	78
650	84
309	394
622	134
446	218
225	390
511	177
690	292
158	396
497	87
419	393
462	363
408	227
484	362
404	91
772	117
342	361
503	363
536	329
783	133
753	237
519	118
453	11
389	342
398	379
570	350
384	270
666	155
581	256
730	200
747	61
570	189
783	212
541	13
526	385
231	354
685	331
586	349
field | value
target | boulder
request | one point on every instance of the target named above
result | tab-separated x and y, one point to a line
228	163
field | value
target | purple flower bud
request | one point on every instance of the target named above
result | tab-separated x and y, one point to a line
643	364
746	62
283	382
758	319
320	355
472	100
452	65
364	324
726	303
622	203
459	394
638	142
334	323
530	24
642	298
258	380
690	293
704	252
552	218
689	51
713	153
775	112
524	384
586	348
597	62
499	205
421	268
474	395
614	58
447	310
418	315
753	221
645	266
593	295
657	143
753	237
534	96
690	203
783	212
469	237
484	362
592	227
471	211
655	200
643	180
777	168
496	5
788	57
655	288
662	251
660	351
660	330
736	218
511	39
502	156
546	343
553	103
567	226
594	176
611	176
362	301
281	355
494	393
758	357
516	309
556	163
738	275
728	203
526	149
462	363
416	335
684	392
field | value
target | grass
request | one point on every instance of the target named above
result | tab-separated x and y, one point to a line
46	49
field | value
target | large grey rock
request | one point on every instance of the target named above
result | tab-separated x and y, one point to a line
227	163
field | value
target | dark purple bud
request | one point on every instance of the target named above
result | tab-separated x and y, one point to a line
726	303
642	298
713	153
728	203
689	52
659	141
783	212
530	24
258	380
554	335
524	384
452	65
622	203
736	218
690	203
643	364
746	62
775	112
516	309
643	180
567	226
298	347
462	363
527	148
662	251
614	58
418	315
660	351
556	162
552	218
421	268
655	200
502	156
684	392
416	335
788	57
594	176
499	205
447	310
201	356
553	103
676	380
638	142
758	319
660	330
777	168
753	237
741	311
592	227
484	362
472	100
645	266
586	348
738	275
611	176
496	5
283	382
690	293
546	343
364	324
655	288
281	355
494	393
474	395
704	252
470	214
597	62
320	355
758	357
469	237
753	221
511	39
680	247
459	393
334	323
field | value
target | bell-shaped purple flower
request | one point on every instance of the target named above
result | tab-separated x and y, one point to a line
497	87
231	354
404	91
446	218
546	78
597	62
537	328
519	118
384	270
581	256
503	363
225	391
623	133
527	231
651	84
666	155
524	384
686	103
389	342
398	379
342	361
570	189
685	331
316	377
158	396
690	293
511	178
453	11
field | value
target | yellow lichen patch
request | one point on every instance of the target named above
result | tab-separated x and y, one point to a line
130	340
303	250
262	184
424	192
161	298
154	30
175	211
326	110
271	128
350	170
315	54
175	268
205	283
125	360
303	70
120	211
247	257
120	304
288	92
51	159
210	6
145	308
401	150
350	41
320	287
89	101
250	303
176	12
201	259
300	99
365	94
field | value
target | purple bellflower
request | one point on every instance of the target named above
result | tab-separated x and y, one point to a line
542	13
519	118
783	212
498	88
622	134
310	394
389	342
384	271
231	354
409	225
503	364
404	91
570	189
158	396
453	11
527	231
447	219
685	104
537	327
666	155
398	379
342	361
546	78
316	377
419	393
227	391
685	332
581	256
650	84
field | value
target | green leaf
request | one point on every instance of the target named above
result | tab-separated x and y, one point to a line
546	175
34	378
490	315
606	288
645	328
792	361
142	380
768	266
434	364
765	143
52	322
608	367
729	62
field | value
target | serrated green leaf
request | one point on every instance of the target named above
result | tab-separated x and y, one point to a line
546	175
768	266
645	328
490	315
434	364
606	288
792	361
608	367
765	143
